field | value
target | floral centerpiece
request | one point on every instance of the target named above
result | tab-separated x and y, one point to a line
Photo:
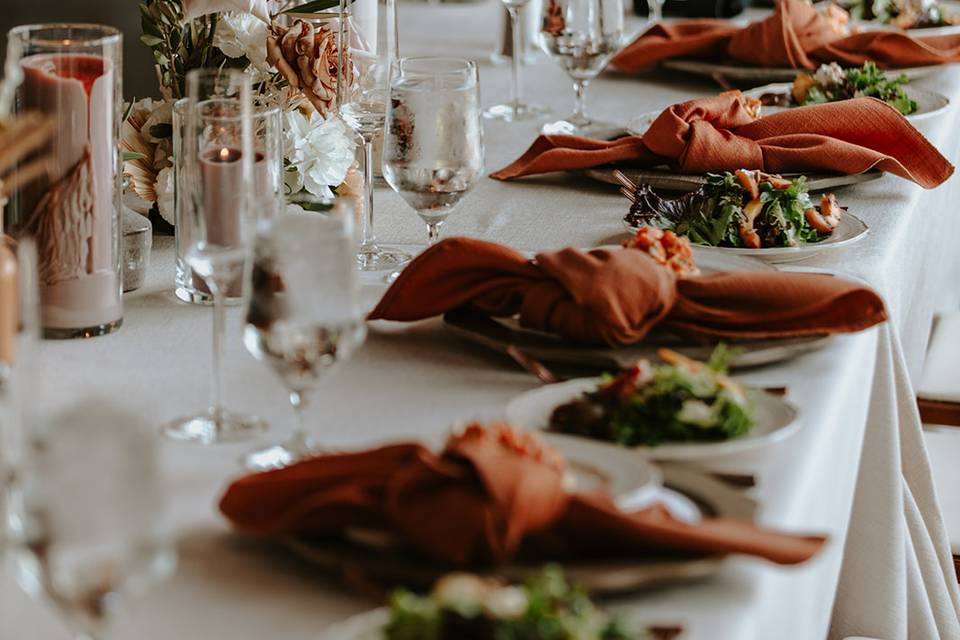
295	66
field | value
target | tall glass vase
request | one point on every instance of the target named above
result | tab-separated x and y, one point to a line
67	195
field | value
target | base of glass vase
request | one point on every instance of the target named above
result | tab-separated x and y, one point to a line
379	259
195	296
55	333
515	113
205	428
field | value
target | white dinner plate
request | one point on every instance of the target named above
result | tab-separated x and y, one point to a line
759	75
948	30
775	420
850	230
929	103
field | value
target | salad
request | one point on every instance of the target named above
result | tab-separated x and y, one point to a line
681	400
463	606
903	14
747	208
831	82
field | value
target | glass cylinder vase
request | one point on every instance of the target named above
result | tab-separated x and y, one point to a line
267	192
67	195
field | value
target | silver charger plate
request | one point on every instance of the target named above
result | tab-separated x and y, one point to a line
850	231
741	73
929	103
391	567
775	420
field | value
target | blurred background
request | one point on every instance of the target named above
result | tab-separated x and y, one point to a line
138	77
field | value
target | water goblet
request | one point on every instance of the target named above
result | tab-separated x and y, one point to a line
304	315
515	110
581	35
433	146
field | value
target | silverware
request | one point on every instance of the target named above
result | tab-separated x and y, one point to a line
537	368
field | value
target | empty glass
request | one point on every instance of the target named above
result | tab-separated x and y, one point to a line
216	192
433	145
86	514
304	315
655	11
582	35
515	110
365	83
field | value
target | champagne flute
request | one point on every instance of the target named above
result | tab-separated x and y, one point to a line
216	186
364	85
304	313
86	516
581	35
515	110
433	146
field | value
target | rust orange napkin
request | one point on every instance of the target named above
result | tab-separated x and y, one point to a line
796	35
615	296
720	134
491	495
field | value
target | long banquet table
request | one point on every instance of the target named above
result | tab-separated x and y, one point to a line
856	470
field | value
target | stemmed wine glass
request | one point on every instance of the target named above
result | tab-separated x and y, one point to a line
217	184
655	11
515	110
304	313
433	145
364	86
86	513
582	35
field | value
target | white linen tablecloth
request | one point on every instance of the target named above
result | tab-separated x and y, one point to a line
857	470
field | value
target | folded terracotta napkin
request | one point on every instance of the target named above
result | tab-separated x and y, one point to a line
615	296
720	134
796	35
491	495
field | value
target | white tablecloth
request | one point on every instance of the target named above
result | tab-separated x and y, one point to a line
856	471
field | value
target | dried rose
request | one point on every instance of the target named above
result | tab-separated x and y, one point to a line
308	58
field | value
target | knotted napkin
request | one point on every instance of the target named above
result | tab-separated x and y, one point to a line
796	35
491	495
616	296
720	134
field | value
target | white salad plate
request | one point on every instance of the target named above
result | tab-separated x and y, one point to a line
775	420
850	231
929	103
744	73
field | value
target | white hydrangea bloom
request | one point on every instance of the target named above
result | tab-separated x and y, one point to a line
318	152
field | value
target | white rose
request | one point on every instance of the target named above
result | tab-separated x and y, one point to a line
197	8
242	34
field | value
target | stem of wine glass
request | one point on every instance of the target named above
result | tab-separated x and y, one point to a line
219	317
433	232
298	439
517	57
580	104
656	10
368	240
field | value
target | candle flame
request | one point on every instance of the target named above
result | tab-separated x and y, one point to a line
224	154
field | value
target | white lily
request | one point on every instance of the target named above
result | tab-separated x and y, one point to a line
196	8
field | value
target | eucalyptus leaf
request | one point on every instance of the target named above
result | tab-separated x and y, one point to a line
129	156
151	40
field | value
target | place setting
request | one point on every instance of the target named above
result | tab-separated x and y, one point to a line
519	427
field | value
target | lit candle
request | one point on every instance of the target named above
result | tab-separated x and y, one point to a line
9	305
222	178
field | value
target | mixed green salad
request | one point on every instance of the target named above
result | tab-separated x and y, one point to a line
903	14
831	82
468	607
681	400
748	209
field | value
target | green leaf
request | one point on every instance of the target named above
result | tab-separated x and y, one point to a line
150	40
129	110
316	6
129	156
